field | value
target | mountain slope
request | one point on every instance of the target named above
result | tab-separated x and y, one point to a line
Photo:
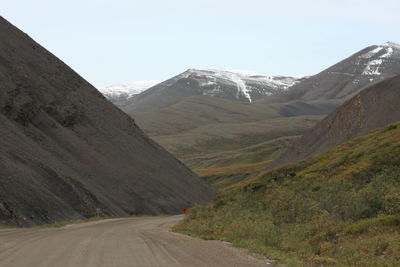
215	138
372	108
199	125
67	153
346	78
230	85
340	208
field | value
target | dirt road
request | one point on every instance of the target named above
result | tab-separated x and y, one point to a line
143	241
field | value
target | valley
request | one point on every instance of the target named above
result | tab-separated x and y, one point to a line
145	143
206	119
336	203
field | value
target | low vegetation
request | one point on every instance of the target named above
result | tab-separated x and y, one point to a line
230	167
61	223
91	219
268	150
64	223
223	177
341	208
220	137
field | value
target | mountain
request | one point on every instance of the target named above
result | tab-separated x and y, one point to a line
199	98
372	108
209	111
231	85
346	78
198	107
68	153
333	85
201	132
125	91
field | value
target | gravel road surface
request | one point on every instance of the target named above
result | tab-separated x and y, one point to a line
141	241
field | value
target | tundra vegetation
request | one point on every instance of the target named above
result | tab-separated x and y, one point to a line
340	208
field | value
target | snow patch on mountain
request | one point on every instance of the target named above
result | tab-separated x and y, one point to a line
246	82
377	56
372	67
372	52
389	53
127	90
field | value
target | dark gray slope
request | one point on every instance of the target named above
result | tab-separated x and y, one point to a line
65	151
372	108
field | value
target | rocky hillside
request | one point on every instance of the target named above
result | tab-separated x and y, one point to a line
346	78
372	108
67	153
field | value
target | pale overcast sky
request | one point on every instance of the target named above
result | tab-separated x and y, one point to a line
114	41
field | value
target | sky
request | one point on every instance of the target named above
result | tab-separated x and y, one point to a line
114	41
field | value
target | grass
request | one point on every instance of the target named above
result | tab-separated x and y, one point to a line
227	146
251	154
244	137
6	226
222	177
64	223
341	208
61	223
194	111
219	137
225	169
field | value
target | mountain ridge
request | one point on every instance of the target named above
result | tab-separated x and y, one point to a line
237	86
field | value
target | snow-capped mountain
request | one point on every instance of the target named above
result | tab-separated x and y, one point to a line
245	85
125	91
234	84
348	77
241	86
